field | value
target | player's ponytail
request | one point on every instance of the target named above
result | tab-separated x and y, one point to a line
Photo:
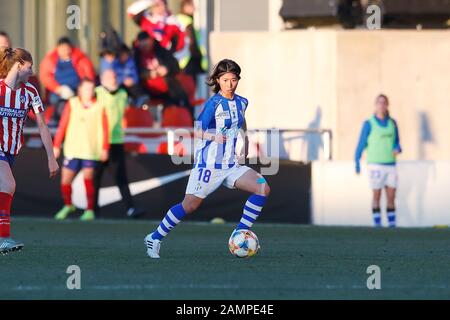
10	56
224	66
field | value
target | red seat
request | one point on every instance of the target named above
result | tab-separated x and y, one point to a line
188	85
138	118
174	116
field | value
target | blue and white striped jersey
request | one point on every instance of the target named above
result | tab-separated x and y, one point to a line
220	115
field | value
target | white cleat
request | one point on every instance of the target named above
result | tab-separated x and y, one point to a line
153	246
8	245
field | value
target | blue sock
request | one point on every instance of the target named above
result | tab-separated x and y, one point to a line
376	215
172	218
252	209
391	217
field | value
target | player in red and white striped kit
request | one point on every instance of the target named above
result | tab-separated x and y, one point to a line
17	96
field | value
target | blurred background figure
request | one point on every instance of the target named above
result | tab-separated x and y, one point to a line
124	66
153	17
158	72
61	72
115	100
4	39
192	57
116	55
379	136
84	130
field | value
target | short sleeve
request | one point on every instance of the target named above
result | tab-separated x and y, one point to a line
36	103
245	104
205	118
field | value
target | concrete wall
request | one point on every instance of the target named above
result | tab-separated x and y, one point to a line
340	197
38	24
329	79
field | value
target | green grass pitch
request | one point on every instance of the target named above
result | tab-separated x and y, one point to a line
295	262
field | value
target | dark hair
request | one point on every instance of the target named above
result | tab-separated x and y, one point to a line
381	95
4	34
64	40
124	49
107	51
224	66
143	35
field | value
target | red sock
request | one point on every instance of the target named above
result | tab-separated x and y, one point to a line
66	190
90	193
5	211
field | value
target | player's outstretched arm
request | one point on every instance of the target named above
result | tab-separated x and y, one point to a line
46	137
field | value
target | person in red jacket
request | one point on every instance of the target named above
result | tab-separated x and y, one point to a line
61	72
153	17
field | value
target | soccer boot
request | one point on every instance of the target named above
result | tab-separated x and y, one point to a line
153	246
64	212
8	245
88	215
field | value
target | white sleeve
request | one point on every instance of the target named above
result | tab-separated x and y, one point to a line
36	101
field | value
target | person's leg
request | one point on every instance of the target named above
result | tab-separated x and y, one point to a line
202	182
88	174
175	214
98	175
376	211
58	103
390	193
68	173
377	182
67	176
252	182
118	166
170	221
7	189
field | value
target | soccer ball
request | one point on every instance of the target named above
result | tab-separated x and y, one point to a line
243	243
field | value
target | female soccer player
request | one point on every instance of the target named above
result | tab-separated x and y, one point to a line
84	129
216	162
17	96
380	137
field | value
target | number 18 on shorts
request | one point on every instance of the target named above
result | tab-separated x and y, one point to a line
204	181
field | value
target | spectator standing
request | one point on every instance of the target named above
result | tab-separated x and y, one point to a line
115	100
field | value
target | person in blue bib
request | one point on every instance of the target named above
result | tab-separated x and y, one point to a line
379	137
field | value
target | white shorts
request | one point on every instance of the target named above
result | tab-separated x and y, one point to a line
204	181
381	176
